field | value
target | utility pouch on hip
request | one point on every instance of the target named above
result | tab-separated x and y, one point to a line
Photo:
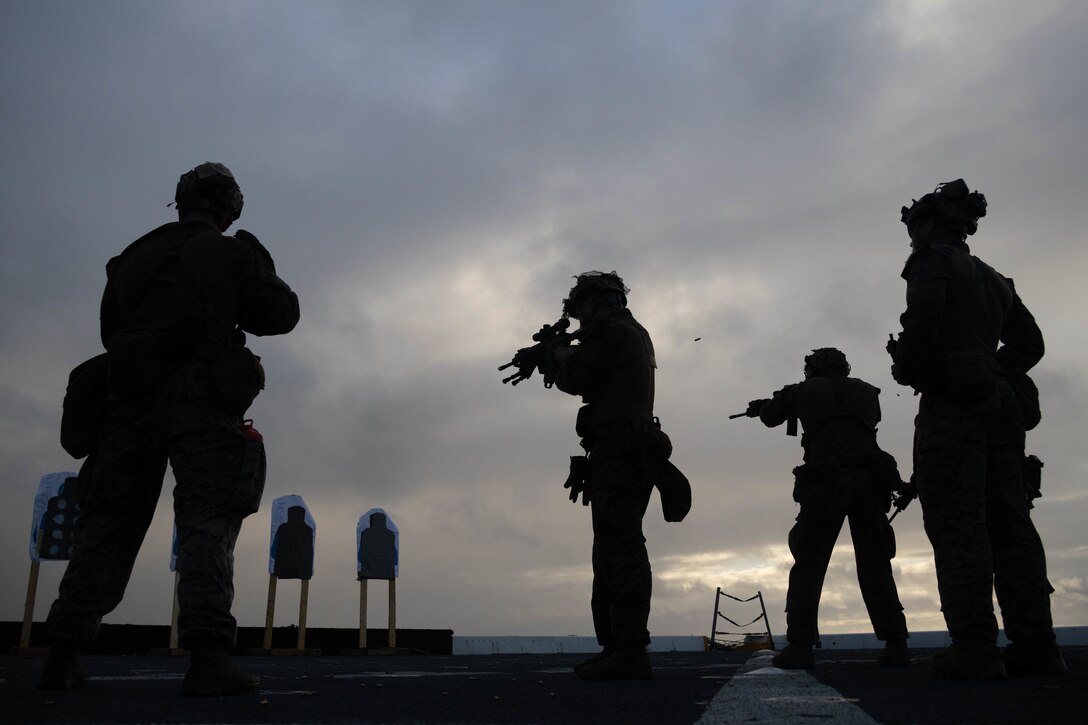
810	480
235	379
582	424
84	415
1033	478
1027	397
884	471
650	438
675	491
888	534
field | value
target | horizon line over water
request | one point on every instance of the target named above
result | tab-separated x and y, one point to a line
1067	636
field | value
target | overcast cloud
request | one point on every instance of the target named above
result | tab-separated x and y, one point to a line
429	177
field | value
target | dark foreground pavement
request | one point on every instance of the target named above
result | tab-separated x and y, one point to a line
688	687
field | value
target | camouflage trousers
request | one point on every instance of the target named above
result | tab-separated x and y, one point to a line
622	580
969	471
219	480
849	496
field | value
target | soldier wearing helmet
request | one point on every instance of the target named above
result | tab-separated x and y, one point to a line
612	369
175	312
212	187
969	441
837	482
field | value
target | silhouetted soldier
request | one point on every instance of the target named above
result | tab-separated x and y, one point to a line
613	370
969	441
378	550
294	546
839	415
173	313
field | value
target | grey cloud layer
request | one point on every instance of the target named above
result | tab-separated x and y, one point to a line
430	175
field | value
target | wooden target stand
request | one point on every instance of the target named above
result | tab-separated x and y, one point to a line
300	644
363	593
24	647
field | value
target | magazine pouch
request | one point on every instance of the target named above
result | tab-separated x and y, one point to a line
235	379
811	480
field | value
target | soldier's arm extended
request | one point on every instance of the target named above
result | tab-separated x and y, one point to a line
780	408
268	305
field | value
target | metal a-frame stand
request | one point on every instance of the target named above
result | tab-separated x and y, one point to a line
748	640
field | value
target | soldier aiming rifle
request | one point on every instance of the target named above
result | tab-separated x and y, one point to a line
612	370
845	477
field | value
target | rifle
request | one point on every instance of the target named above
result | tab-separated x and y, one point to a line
754	409
541	355
902	498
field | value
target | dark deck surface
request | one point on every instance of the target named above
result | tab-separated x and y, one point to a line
720	686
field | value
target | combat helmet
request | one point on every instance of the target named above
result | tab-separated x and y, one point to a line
952	202
826	362
594	284
210	186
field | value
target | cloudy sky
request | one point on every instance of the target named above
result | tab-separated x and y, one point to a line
429	177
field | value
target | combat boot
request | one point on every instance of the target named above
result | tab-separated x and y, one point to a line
609	649
895	654
963	662
62	670
1034	660
212	674
623	663
795	657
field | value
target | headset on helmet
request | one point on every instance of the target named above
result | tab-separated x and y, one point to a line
594	283
951	201
827	359
210	186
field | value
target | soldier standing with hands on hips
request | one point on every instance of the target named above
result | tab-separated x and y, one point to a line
969	441
177	305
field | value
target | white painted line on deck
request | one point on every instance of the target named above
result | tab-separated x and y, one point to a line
762	693
141	676
372	675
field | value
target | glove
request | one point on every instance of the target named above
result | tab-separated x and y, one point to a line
755	407
549	357
578	480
